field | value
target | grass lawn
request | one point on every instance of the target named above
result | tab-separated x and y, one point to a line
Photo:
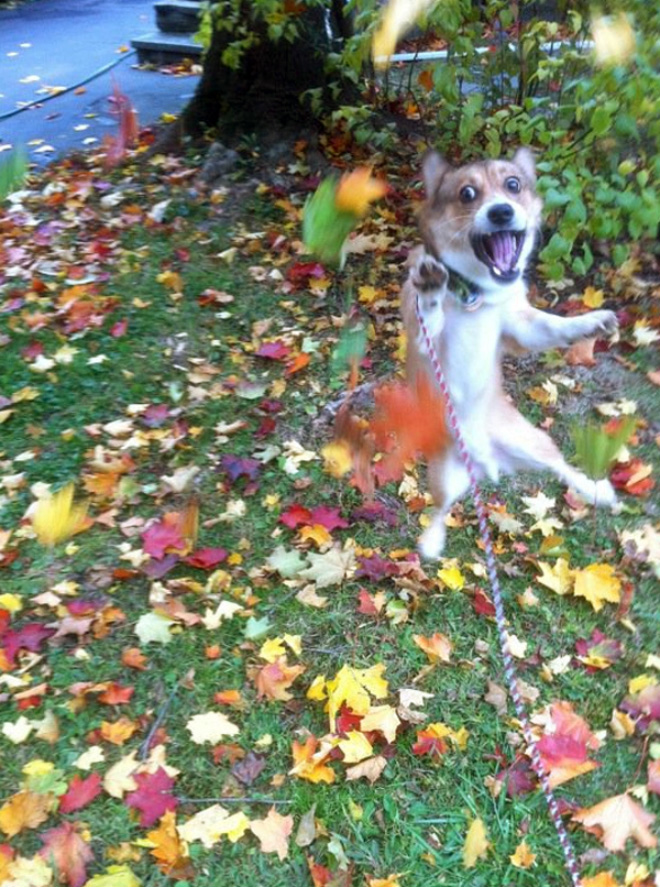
169	352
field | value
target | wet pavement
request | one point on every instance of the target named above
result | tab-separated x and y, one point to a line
47	44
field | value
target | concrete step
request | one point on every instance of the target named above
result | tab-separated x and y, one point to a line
177	16
159	48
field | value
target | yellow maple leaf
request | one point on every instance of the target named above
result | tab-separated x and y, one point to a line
272	649
317	690
337	459
558	578
210	824
597	583
55	517
356	747
476	844
452	578
593	298
352	686
523	857
316	533
115	876
357	189
382	718
637	684
389	881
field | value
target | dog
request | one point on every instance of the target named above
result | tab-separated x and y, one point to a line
479	224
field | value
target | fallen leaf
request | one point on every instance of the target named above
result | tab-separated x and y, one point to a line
24	810
617	819
273	833
68	852
212	726
476	844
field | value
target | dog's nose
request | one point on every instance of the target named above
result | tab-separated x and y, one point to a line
500	213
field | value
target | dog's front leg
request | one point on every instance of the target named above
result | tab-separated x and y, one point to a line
429	280
536	330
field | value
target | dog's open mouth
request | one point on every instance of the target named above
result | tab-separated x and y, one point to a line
500	251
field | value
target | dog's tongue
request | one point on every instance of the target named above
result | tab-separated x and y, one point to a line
503	246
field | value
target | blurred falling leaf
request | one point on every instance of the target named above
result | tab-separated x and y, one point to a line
55	517
596	448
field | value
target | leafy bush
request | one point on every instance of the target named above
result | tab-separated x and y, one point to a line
510	78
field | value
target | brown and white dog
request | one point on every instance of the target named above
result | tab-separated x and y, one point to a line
478	224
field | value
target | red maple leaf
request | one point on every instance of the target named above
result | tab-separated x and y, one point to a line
163	536
29	637
118	329
277	350
328	518
115	694
624	474
152	797
68	852
429	744
295	515
206	558
366	604
482	603
80	793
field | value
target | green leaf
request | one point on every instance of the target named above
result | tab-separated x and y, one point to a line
12	172
256	628
596	448
325	228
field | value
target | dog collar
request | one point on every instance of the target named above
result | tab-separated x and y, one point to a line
464	291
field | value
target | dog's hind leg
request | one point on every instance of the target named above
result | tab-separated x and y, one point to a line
448	480
520	446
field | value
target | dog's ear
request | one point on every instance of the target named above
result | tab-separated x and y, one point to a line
433	169
524	159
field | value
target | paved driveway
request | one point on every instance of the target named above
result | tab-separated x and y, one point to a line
53	43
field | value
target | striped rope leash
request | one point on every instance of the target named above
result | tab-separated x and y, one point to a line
500	617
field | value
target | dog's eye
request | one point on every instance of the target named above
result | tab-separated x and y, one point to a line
513	184
467	194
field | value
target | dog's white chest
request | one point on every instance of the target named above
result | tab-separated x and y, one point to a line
469	346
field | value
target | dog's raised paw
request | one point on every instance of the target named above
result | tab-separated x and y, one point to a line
429	275
604	322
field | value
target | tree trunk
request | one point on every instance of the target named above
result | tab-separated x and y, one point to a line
265	91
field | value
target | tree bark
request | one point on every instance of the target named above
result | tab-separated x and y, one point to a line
265	91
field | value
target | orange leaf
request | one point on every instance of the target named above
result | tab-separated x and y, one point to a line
118	732
24	810
438	647
581	354
425	79
133	657
298	362
356	190
615	820
309	764
274	679
170	852
408	422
